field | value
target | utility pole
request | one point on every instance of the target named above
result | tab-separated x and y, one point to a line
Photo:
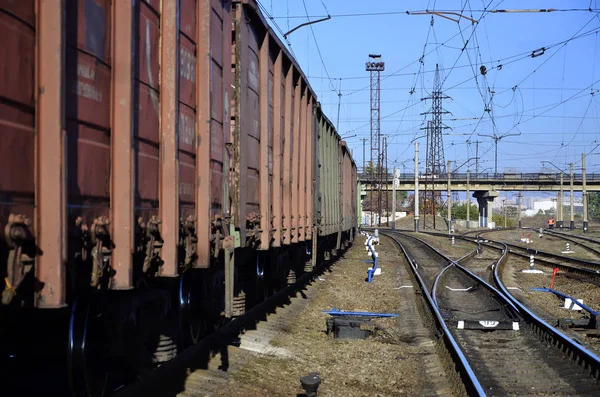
375	67
559	205
585	198
469	142
468	197
387	196
496	138
572	224
364	141
394	182
337	124
448	169
519	209
505	208
416	186
476	158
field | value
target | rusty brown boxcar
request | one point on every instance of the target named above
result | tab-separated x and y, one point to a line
166	165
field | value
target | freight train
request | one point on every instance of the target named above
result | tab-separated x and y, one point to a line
165	166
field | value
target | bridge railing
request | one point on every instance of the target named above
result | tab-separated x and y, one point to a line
490	176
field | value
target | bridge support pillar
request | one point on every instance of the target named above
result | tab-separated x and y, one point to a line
484	201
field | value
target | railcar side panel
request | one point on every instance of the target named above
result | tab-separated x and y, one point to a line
287	155
138	124
278	133
273	51
296	158
215	93
18	30
326	135
328	173
169	184
346	189
187	108
333	182
250	131
352	197
325	171
301	165
322	203
146	116
91	132
340	190
265	143
307	165
214	96
330	176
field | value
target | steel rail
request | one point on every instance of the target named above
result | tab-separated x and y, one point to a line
582	356
572	269
575	239
472	275
578	270
592	264
472	385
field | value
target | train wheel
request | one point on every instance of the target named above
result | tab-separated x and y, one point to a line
262	278
88	366
193	320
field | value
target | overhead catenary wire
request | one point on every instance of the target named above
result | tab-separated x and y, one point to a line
319	50
551	106
493	89
500	63
416	12
513	58
276	27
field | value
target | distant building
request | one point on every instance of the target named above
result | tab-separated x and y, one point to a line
544	205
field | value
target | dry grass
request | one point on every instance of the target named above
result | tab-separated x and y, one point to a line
385	365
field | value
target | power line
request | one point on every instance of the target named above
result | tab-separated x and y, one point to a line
408	13
501	62
555	52
408	65
575	96
319	50
276	27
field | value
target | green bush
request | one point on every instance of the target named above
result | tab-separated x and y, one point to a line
499	220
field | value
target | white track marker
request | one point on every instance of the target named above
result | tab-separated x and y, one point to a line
459	289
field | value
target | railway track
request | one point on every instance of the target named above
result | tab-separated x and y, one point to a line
572	265
523	355
582	241
575	324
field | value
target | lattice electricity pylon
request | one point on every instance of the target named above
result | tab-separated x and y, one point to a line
435	164
376	67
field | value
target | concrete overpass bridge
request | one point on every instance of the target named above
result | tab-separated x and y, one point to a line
486	186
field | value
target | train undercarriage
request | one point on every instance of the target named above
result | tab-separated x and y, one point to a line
107	338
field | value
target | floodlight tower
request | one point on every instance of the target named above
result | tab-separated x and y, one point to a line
375	66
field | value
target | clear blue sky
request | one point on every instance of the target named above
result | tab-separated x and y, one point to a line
547	99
